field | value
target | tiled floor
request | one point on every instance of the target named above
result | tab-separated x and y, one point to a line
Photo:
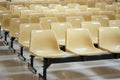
12	68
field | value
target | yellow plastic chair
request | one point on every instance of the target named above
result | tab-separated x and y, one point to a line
117	16
93	27
118	10
60	30
24	13
103	19
101	5
17	10
81	2
61	16
34	17
73	5
6	24
44	44
12	6
109	39
95	11
91	3
111	8
50	12
53	6
72	12
24	36
79	42
114	23
14	29
6	21
110	14
75	21
33	6
3	13
83	7
45	22
85	14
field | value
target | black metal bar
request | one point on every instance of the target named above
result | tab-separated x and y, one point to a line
46	64
5	38
6	33
30	65
0	33
66	59
20	55
31	60
11	42
49	61
115	55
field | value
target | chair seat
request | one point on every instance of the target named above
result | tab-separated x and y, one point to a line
48	53
113	49
86	51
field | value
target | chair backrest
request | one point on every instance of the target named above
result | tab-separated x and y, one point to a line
34	17
85	14
118	10
95	11
72	12
104	20
50	12
109	37
12	6
24	13
83	7
6	21
100	5
24	32
114	23
73	5
61	16
111	8
78	38
110	14
93	27
33	6
60	31
75	21
45	22
43	40
17	10
14	25
118	16
53	6
3	13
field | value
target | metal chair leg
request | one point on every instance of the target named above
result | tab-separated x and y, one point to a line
30	65
20	55
11	44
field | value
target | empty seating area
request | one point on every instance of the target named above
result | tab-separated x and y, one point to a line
60	31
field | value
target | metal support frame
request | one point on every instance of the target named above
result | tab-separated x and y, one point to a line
5	38
30	65
20	55
11	44
48	61
0	33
